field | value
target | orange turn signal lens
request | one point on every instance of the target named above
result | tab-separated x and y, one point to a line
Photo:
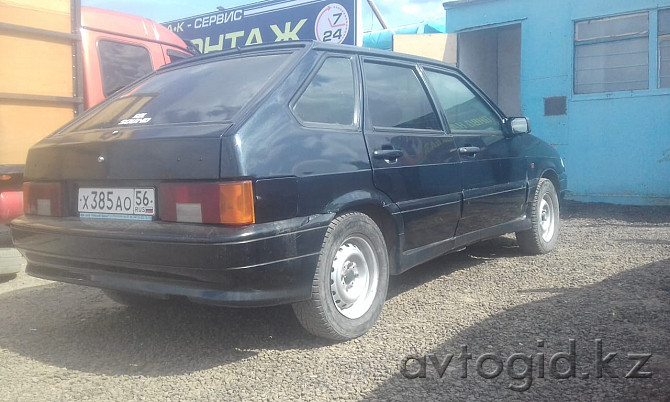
236	203
228	203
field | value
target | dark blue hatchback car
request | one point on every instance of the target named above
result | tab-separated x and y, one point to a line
298	173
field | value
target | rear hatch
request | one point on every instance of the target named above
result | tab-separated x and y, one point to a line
173	152
167	127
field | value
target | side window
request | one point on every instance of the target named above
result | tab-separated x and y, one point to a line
464	110
121	64
330	97
396	98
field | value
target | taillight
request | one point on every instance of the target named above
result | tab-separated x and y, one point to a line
230	203
43	199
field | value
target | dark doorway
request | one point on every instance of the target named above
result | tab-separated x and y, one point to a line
492	59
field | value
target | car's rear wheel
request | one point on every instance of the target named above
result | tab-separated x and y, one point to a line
351	280
131	299
542	237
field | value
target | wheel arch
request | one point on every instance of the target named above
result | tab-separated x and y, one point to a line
551	174
382	211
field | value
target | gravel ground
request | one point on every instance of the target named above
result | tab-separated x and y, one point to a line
609	280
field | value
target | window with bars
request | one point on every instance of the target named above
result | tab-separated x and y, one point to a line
612	54
664	48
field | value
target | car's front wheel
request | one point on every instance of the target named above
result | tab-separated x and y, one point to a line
541	238
351	280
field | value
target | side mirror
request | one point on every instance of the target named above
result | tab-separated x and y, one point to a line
518	125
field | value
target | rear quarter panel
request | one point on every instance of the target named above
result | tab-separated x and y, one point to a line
330	166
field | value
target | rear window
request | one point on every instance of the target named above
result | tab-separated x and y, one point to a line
209	92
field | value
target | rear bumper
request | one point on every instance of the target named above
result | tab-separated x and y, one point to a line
256	265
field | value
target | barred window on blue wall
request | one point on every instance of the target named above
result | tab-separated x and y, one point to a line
664	48
612	54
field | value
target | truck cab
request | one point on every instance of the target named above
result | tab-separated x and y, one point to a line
119	48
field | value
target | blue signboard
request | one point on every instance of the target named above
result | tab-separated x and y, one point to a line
333	21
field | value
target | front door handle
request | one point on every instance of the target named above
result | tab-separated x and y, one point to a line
468	150
388	154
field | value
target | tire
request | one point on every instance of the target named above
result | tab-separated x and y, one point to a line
542	237
131	299
351	280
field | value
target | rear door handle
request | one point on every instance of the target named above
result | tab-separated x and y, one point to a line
388	154
468	150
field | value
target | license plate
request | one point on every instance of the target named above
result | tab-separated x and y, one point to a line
117	203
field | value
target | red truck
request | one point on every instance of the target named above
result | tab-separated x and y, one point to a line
61	58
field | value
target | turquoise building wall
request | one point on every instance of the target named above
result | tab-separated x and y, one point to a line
616	145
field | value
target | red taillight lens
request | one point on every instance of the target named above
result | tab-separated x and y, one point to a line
43	199
230	203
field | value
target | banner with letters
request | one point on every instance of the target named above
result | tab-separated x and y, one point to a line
333	21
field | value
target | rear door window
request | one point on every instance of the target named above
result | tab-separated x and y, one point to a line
199	93
121	64
397	99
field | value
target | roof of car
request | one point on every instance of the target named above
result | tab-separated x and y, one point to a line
375	52
315	45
